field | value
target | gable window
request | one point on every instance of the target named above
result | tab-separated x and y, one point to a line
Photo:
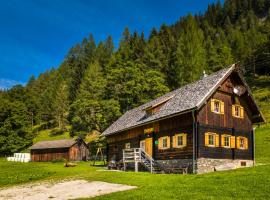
180	140
164	142
237	111
211	139
242	142
217	106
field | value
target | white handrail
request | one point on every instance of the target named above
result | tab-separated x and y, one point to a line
137	155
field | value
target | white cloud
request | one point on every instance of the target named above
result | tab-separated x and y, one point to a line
8	83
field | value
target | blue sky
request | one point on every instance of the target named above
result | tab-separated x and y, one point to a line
35	35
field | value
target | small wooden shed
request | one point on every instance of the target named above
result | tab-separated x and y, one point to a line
69	149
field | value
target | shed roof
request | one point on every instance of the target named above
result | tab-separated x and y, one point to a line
186	98
54	144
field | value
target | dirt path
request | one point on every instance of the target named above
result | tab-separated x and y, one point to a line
61	191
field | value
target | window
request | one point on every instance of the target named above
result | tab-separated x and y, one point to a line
217	106
127	146
237	111
242	142
228	141
211	139
164	142
180	140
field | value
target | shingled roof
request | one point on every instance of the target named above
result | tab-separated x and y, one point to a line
54	144
181	100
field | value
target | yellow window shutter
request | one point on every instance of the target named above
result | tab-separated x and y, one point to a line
232	141
206	141
217	140
233	110
212	105
238	142
175	141
246	143
221	107
222	140
184	139
241	112
168	142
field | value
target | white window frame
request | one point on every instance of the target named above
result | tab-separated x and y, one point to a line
214	139
229	141
164	147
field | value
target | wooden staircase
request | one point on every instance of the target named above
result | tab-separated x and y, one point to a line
138	155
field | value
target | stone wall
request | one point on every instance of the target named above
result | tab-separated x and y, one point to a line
176	163
205	165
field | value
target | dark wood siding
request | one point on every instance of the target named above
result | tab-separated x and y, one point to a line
44	155
221	152
205	121
205	116
166	127
77	152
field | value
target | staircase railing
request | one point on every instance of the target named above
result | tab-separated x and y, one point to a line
137	155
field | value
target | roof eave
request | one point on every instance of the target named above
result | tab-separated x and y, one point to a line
162	118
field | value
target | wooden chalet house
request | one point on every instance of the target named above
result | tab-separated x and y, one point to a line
69	149
203	126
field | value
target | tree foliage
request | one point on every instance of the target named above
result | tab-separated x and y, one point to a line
96	83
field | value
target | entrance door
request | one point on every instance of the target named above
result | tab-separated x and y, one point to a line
149	146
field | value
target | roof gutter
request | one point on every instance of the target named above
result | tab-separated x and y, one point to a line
194	141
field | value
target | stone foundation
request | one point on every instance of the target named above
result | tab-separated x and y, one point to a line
177	163
205	165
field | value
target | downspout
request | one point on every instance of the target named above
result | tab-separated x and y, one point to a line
194	141
254	145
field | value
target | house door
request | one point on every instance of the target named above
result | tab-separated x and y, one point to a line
149	146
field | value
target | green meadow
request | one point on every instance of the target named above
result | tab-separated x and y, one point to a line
245	183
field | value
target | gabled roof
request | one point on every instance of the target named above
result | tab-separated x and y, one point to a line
184	99
54	144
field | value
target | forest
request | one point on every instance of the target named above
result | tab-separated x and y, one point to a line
97	82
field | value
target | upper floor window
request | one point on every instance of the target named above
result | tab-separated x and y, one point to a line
180	140
237	111
217	106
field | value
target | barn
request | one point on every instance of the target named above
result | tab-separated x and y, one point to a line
69	149
201	127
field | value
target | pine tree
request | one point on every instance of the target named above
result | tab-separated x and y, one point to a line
190	54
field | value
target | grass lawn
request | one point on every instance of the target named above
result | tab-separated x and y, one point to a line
247	183
47	135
